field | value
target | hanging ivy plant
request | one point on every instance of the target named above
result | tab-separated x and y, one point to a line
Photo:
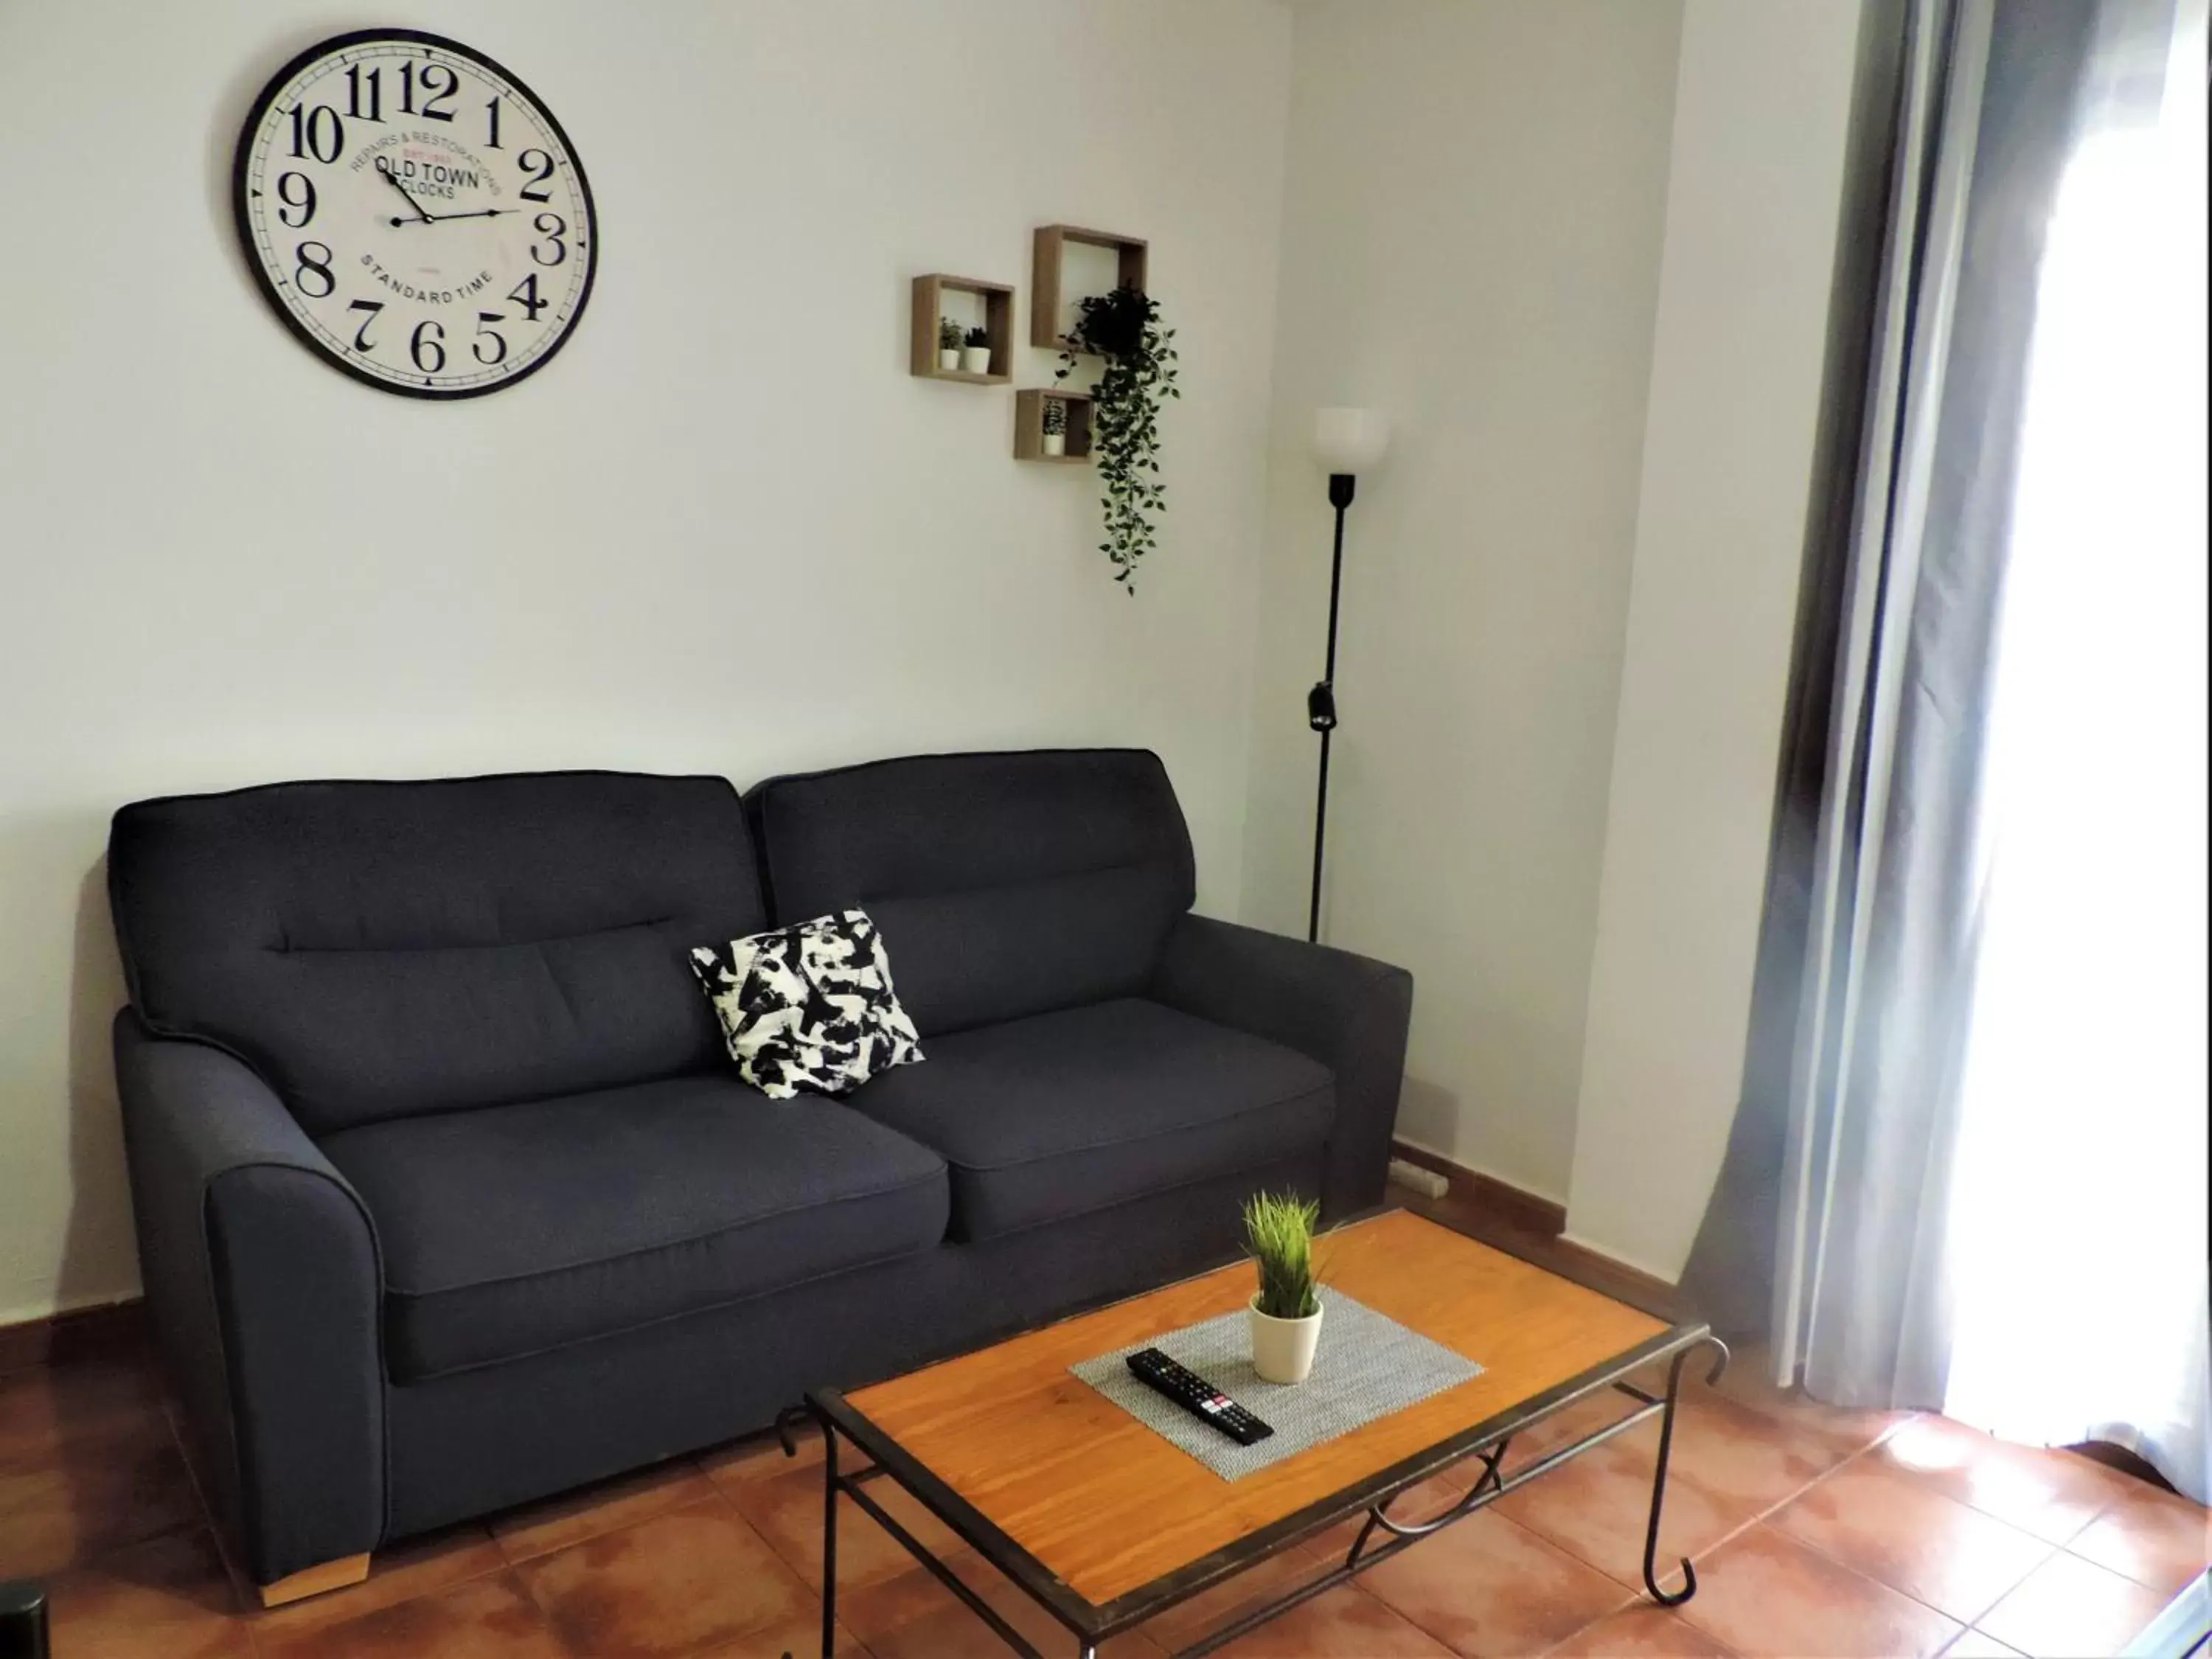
1123	327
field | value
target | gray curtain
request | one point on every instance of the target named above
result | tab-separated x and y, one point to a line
1826	1230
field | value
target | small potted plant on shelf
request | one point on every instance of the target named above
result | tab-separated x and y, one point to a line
976	353
1053	419
1286	1310
948	345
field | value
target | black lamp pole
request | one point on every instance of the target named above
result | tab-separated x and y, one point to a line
1321	701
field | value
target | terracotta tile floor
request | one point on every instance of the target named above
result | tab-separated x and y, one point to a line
1815	1532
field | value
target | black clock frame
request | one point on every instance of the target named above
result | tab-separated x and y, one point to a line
240	217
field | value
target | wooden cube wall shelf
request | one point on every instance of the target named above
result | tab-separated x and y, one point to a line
1029	425
1047	246
998	322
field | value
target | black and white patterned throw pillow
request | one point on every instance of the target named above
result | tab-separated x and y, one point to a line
809	1006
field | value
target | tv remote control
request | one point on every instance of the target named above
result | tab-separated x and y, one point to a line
1196	1395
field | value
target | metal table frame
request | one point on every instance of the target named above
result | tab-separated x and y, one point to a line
1093	1624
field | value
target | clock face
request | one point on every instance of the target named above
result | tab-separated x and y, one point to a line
415	214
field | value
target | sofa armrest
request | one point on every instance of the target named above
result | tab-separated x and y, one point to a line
1349	1013
262	1274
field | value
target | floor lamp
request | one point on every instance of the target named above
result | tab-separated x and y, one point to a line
1346	442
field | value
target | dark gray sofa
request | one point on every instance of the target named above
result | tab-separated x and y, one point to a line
447	1197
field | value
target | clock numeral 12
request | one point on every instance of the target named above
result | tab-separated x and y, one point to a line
433	93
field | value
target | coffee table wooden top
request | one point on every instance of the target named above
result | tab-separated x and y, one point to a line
1109	1506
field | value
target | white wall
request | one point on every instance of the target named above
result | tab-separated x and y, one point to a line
1471	242
1756	177
724	531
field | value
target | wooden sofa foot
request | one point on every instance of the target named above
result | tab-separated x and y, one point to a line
313	1581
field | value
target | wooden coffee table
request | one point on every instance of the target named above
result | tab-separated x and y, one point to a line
1104	1523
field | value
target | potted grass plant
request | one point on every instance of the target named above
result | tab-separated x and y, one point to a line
1286	1310
976	353
948	344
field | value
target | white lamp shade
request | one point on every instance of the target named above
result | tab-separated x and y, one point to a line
1350	439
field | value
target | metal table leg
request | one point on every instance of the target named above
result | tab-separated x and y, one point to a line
828	1540
854	1487
1659	1477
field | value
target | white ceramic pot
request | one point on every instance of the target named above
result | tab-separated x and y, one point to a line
975	360
1055	443
949	360
1283	1349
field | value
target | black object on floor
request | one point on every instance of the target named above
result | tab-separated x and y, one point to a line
23	1632
1187	1389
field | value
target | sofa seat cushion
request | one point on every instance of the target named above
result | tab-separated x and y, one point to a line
512	1229
1061	1113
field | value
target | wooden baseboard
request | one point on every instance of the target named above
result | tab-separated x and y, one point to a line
1531	1227
102	1333
1617	1278
1506	1202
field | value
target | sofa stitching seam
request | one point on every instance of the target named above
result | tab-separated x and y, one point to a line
1136	1140
394	1291
671	1318
1138	1198
286	948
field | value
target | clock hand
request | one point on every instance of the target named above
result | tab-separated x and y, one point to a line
408	194
479	213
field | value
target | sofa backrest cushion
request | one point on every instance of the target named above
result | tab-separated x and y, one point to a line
376	949
1004	885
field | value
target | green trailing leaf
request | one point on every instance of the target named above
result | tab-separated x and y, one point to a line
1279	1230
1123	328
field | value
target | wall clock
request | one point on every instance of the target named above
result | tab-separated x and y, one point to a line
416	215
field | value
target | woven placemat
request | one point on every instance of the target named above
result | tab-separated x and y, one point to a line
1366	1366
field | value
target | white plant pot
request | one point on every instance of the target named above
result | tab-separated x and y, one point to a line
1055	443
949	360
975	360
1283	1349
